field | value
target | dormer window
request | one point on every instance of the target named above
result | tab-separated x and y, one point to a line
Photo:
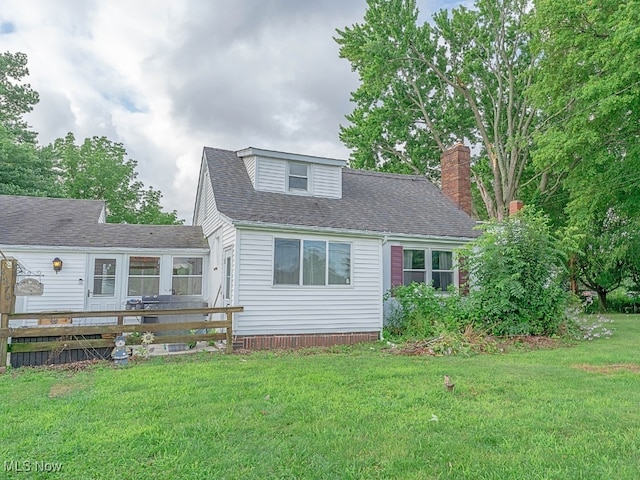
298	177
293	174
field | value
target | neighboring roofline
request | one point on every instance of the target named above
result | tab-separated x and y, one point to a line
250	151
386	236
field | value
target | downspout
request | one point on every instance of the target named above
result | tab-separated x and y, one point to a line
385	239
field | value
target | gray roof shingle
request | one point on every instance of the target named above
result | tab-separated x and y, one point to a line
64	222
371	201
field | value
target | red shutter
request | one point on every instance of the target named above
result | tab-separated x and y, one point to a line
396	265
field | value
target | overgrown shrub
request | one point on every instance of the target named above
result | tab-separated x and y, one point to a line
518	274
419	311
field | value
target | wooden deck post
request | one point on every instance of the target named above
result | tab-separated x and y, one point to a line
8	272
229	332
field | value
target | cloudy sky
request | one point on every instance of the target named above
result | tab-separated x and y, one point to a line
166	77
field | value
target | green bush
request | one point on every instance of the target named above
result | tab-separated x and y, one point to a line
518	286
518	276
623	302
419	311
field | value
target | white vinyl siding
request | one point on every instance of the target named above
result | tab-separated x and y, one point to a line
208	216
271	175
250	165
327	181
64	291
214	227
270	309
223	238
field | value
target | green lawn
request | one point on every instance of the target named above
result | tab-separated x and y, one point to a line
570	413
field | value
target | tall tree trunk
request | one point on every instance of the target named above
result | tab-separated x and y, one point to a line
602	297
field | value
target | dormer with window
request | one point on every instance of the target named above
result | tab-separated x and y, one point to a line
293	174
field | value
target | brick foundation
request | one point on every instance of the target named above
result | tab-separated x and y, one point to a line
268	342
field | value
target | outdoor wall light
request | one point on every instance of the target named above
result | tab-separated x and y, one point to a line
57	264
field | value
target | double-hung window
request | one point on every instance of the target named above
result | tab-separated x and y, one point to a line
314	262
441	269
416	268
286	262
298	177
311	262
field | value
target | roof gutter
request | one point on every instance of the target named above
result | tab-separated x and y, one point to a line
385	236
252	225
84	249
403	237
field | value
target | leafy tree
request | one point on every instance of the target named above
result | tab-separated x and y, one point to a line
149	210
465	74
99	169
24	170
605	253
590	83
16	98
518	276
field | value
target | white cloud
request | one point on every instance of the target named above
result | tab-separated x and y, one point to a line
166	78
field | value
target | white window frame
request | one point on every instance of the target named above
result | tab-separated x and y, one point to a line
190	276
428	270
440	270
424	270
105	278
158	276
307	177
300	283
227	277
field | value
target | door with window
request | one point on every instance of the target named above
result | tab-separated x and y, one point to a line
103	288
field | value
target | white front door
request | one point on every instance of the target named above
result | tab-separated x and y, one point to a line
104	285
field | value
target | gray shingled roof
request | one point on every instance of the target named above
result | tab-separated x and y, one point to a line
371	201
65	222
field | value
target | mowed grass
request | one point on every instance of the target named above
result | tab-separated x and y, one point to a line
566	413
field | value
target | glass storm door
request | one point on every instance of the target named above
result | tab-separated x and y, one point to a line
103	285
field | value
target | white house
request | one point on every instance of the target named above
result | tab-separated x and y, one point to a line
308	247
102	265
305	245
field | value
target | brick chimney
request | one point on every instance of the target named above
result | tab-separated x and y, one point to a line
515	206
456	176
